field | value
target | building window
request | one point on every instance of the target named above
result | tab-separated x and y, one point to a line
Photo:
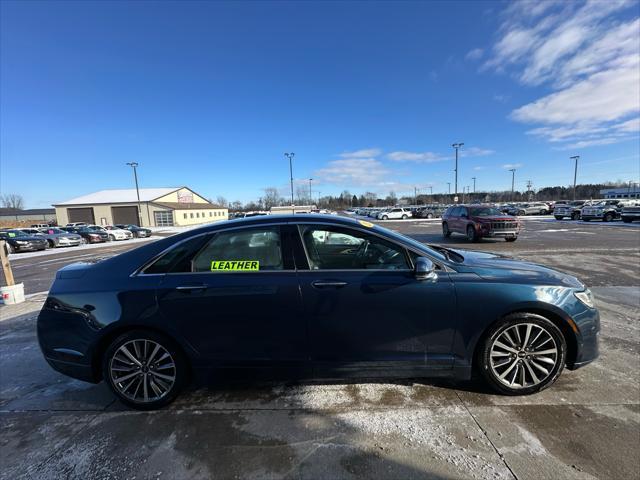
211	214
163	219
191	214
185	216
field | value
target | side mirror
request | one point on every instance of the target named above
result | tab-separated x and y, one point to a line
425	269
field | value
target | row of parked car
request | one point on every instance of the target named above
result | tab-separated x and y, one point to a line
604	210
401	213
40	236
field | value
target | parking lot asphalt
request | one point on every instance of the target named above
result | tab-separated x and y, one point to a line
587	425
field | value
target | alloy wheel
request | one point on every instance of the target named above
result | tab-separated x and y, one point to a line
142	371
523	355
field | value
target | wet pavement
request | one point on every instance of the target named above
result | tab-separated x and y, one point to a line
585	426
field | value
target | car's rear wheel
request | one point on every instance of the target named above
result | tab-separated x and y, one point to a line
144	369
523	354
608	217
472	236
404	217
445	230
575	216
112	238
510	239
522	212
429	215
384	217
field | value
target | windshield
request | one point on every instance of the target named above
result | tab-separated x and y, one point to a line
51	231
485	212
13	233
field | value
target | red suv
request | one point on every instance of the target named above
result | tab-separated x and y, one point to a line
477	221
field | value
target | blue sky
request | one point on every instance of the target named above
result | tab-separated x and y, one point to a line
369	96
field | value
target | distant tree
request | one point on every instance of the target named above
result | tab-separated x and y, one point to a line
354	201
220	200
271	198
236	205
12	200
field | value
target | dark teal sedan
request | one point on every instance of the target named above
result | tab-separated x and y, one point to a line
312	296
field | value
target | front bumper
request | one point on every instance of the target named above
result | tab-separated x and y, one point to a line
500	233
30	247
587	338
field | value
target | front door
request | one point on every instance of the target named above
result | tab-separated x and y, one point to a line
237	301
367	312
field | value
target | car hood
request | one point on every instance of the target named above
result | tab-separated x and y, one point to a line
28	238
503	218
502	268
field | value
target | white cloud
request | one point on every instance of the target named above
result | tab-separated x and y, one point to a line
586	55
509	166
475	54
353	172
417	157
478	168
431	157
364	153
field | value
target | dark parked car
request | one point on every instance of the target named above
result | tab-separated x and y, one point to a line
19	241
605	210
138	232
479	221
312	295
89	235
631	211
573	210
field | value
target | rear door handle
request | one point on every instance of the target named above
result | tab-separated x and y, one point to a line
190	288
328	284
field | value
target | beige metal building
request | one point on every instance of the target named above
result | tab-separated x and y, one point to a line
159	207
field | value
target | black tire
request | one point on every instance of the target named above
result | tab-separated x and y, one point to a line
543	212
180	370
510	239
608	217
429	215
384	217
522	213
445	230
575	216
112	238
483	357
472	236
404	217
84	241
51	244
558	217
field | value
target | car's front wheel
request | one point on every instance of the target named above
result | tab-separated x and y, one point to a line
144	369
384	217
472	236
522	354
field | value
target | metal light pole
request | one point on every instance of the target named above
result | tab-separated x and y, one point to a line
513	182
456	146
474	184
449	186
310	197
575	173
134	165
290	157
415	195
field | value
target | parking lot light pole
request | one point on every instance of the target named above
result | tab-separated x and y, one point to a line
575	173
310	196
134	165
449	187
290	157
513	182
457	146
474	184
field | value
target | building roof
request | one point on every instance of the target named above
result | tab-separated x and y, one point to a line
126	195
29	211
187	206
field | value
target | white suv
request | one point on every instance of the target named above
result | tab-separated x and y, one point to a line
394	213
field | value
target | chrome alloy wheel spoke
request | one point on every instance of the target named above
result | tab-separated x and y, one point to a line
523	355
142	370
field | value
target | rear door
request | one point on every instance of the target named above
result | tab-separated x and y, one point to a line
236	299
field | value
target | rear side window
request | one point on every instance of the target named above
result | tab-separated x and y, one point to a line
255	249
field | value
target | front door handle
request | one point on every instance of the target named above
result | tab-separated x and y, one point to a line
191	288
328	284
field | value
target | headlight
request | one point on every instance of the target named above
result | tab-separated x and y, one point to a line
21	242
585	297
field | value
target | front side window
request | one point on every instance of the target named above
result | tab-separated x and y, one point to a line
254	249
337	248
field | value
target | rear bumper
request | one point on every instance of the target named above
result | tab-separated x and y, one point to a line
74	370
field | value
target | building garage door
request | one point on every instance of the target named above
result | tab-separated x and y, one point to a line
81	215
163	219
125	215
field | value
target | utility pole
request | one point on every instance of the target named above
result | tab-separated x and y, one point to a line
134	165
310	197
457	146
474	184
575	173
449	185
513	182
415	195
529	190
290	157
